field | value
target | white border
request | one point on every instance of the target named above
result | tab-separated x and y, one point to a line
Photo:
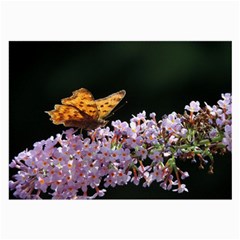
118	20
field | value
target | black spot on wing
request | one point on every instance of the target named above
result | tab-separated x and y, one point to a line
90	105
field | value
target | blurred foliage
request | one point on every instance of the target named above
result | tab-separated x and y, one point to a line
159	77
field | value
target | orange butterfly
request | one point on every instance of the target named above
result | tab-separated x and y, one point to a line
82	111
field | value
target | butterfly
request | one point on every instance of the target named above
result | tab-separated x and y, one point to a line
82	111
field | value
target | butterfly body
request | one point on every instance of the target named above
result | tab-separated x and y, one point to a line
82	111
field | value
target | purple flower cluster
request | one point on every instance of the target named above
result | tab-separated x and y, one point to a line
223	115
70	166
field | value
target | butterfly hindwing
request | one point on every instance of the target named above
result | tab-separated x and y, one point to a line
107	104
70	116
62	113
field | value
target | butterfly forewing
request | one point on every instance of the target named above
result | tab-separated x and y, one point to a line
83	100
107	104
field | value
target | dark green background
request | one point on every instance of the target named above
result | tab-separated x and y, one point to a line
159	77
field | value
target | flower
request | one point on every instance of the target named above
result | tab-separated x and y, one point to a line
172	123
193	107
227	140
213	110
133	130
213	133
181	189
142	153
156	156
69	166
157	174
184	175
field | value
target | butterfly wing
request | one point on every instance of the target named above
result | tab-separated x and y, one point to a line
107	104
83	100
67	115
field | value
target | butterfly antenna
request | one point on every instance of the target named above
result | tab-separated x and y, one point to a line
115	110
